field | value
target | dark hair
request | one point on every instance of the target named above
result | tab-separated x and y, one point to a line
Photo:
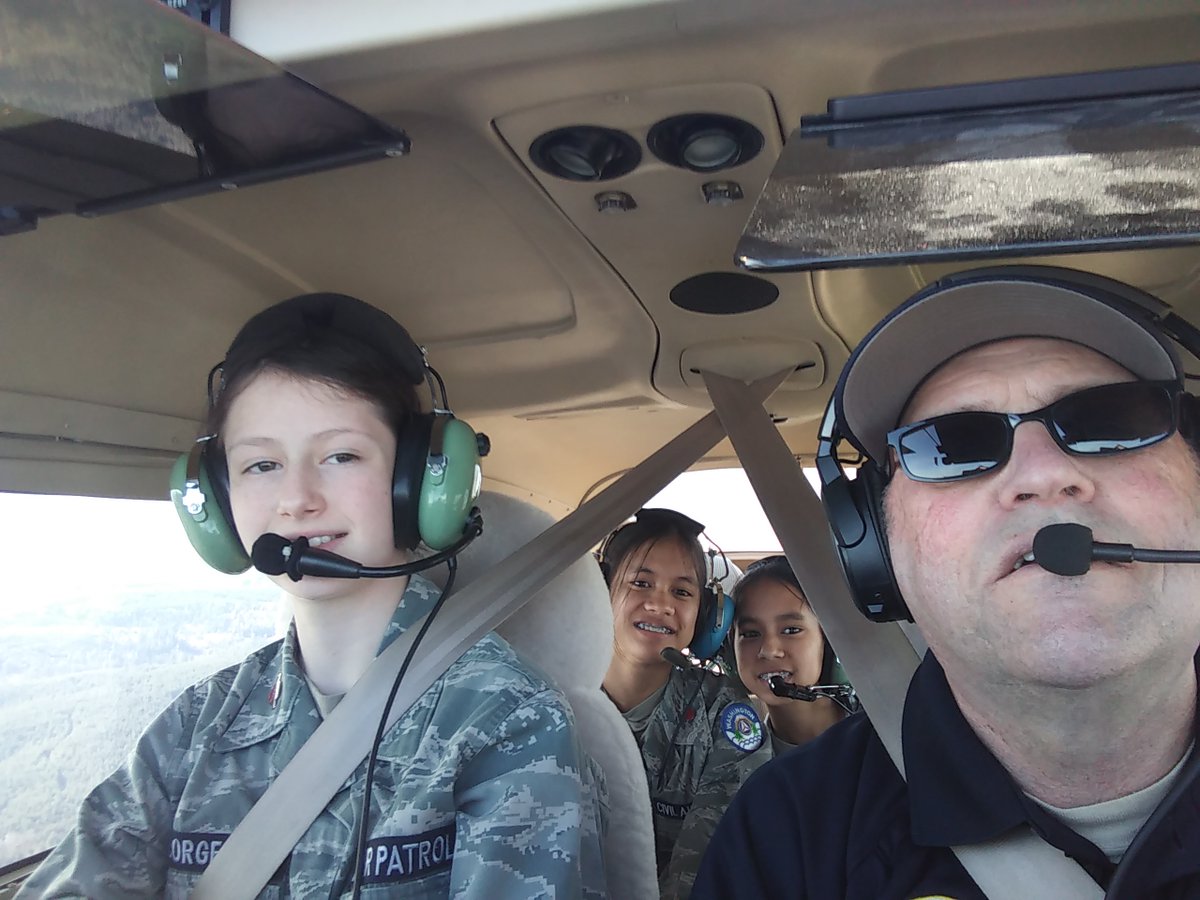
777	568
330	338
648	528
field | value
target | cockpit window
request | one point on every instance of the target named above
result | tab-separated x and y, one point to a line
106	614
724	501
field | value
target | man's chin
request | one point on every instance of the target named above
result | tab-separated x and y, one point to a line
1077	663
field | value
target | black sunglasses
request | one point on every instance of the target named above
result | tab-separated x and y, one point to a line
1097	421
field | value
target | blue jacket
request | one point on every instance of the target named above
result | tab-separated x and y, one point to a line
834	819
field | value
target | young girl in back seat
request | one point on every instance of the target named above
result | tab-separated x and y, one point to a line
776	635
699	736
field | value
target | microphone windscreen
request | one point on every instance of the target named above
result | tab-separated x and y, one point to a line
1064	549
676	658
267	554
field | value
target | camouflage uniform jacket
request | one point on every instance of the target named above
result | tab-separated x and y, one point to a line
480	789
693	770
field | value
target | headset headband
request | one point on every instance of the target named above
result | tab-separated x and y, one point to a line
309	317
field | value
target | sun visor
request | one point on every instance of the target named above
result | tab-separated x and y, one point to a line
108	106
1100	161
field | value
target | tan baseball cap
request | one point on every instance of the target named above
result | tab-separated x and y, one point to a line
983	305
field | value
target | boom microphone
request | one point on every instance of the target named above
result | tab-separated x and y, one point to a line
273	554
677	658
270	554
781	688
842	694
1067	548
685	663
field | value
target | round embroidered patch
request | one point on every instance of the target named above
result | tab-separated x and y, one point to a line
742	726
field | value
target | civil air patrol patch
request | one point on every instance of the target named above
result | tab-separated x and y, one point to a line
742	726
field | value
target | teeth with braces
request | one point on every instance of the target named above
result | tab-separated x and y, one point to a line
656	629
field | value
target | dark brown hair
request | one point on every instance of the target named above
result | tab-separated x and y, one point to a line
648	528
329	338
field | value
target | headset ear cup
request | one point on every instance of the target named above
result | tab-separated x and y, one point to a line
712	623
450	482
866	563
837	674
412	452
829	662
200	494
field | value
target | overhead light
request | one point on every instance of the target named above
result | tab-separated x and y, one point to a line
704	142
615	202
585	153
721	193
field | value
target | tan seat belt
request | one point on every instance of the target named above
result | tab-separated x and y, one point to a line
879	658
265	837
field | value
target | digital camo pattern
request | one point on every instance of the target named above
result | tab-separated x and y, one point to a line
480	790
693	770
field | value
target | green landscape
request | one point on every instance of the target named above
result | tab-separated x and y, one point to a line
80	680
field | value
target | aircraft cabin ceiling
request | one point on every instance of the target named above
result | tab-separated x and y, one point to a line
566	316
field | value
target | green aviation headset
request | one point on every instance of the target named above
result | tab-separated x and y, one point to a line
436	477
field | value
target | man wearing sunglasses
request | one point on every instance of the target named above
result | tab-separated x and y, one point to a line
987	407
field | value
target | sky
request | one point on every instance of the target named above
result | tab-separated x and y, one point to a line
55	543
723	501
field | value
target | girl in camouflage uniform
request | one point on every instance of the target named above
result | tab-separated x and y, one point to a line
776	633
698	736
479	790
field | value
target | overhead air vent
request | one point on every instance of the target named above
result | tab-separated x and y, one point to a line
704	142
586	153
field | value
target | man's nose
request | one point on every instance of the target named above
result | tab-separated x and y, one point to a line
1040	470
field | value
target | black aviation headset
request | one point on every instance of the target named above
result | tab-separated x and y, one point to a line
854	507
715	616
436	477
